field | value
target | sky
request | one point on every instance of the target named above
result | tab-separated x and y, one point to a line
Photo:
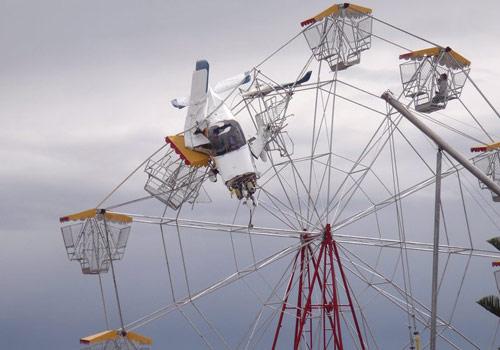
84	97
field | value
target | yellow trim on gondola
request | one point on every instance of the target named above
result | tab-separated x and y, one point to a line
190	157
99	337
138	338
433	51
86	214
115	334
436	51
115	217
459	58
486	148
417	341
358	9
328	12
91	213
349	10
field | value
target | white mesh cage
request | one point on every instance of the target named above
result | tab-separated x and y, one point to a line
490	165
172	182
87	243
339	40
273	117
421	80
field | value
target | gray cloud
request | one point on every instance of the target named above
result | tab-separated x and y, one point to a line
84	91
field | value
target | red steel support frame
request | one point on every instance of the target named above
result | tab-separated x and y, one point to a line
318	270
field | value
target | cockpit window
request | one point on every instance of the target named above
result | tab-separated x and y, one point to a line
225	136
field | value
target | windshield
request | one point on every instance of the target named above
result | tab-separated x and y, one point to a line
225	136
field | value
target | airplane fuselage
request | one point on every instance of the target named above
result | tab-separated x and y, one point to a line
230	152
237	171
211	128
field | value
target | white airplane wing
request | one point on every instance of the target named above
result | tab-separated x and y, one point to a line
261	91
196	108
221	87
233	82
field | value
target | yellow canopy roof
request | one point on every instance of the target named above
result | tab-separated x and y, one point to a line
115	334
190	157
450	58
346	9
92	213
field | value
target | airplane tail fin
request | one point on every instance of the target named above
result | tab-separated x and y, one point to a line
197	103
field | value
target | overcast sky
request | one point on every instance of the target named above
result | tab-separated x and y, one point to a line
84	97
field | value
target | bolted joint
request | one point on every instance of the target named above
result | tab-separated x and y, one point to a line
100	213
327	233
305	237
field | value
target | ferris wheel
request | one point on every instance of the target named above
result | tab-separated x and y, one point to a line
336	218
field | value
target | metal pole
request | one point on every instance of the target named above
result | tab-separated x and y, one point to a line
435	250
441	143
122	324
285	300
483	96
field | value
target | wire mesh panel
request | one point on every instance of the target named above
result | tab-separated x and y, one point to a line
490	165
271	121
497	279
433	80
87	243
117	344
269	103
173	182
339	39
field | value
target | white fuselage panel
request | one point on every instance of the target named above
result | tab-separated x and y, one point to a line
234	163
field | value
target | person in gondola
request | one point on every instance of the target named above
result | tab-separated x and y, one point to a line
442	89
